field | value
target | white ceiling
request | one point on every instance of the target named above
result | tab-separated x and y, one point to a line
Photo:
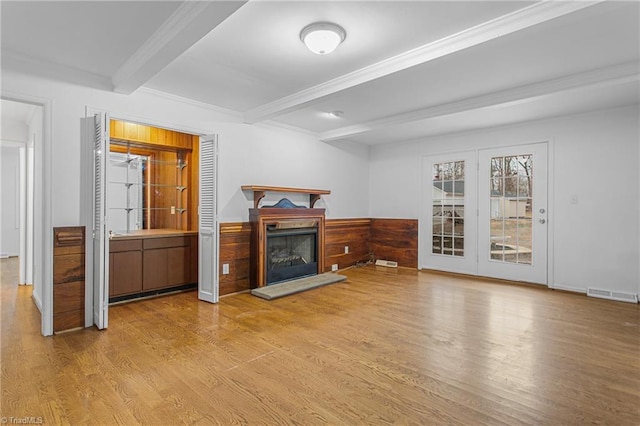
406	69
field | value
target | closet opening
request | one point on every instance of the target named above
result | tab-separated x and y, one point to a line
151	210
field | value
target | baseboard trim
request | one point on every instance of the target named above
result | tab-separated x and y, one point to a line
568	288
37	301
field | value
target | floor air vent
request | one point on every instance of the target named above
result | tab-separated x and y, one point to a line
612	295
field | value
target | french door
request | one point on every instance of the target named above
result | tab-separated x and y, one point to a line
450	201
512	213
485	213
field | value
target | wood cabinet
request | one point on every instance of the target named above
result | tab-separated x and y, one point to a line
68	277
125	267
154	260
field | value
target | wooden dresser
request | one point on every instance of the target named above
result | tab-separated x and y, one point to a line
68	278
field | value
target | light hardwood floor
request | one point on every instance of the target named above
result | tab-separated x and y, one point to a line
386	346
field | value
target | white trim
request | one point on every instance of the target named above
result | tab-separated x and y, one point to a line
5	143
37	302
237	115
557	286
526	17
145	121
616	74
43	231
270	124
35	66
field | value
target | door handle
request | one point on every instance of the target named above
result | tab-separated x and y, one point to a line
542	221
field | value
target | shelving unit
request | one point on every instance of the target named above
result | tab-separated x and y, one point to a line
146	191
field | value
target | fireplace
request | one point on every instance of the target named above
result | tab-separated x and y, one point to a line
291	252
286	243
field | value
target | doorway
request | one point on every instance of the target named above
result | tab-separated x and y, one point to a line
36	243
485	213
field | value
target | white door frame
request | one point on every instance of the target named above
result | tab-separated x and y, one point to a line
424	221
43	228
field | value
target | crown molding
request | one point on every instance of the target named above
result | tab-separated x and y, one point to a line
532	15
232	114
617	74
188	24
270	124
30	65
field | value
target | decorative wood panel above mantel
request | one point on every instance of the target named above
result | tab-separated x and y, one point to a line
260	191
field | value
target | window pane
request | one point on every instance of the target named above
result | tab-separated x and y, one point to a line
437	244
448	207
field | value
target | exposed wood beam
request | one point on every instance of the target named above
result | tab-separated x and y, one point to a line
524	18
188	24
603	76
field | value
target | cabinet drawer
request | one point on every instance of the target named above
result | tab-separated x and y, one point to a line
124	245
155	243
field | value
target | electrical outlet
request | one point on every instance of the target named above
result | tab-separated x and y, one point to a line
334	267
346	249
173	209
225	269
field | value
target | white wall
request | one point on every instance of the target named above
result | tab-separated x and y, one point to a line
595	156
253	155
10	199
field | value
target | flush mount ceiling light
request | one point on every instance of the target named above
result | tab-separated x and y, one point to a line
322	37
335	114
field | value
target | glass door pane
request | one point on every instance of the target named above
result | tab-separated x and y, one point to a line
448	208
511	192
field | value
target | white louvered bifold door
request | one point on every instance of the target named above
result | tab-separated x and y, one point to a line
208	221
100	238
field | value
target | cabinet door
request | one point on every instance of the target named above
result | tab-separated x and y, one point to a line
126	273
154	269
179	263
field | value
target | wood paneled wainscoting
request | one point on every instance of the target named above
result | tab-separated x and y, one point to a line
390	239
341	233
235	247
395	239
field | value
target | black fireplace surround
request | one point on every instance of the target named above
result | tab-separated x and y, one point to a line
290	253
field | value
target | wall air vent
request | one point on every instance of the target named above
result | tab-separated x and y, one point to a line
612	295
389	263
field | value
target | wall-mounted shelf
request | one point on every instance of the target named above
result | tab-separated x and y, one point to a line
260	191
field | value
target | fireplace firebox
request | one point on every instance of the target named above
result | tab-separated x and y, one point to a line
291	253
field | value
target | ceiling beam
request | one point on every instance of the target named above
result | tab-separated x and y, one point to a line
187	25
534	14
604	76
